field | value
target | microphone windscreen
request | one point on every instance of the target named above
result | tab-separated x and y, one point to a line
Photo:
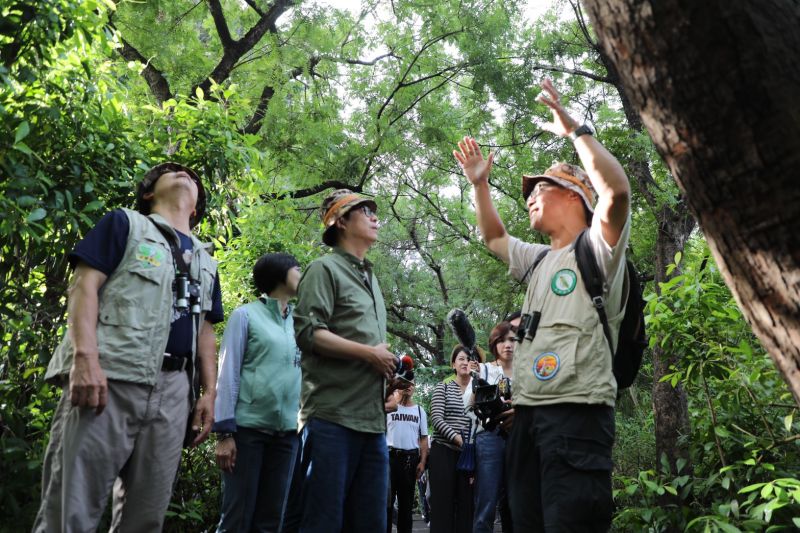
461	327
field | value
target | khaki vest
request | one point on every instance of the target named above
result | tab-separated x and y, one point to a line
136	304
568	360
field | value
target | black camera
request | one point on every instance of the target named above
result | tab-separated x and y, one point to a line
187	293
490	401
527	326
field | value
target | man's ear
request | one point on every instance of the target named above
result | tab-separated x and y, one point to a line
149	195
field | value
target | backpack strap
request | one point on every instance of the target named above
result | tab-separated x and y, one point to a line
536	260
593	281
419	425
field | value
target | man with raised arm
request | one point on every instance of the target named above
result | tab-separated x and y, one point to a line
340	323
563	388
142	301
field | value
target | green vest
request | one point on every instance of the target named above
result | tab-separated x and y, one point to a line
136	304
269	391
568	360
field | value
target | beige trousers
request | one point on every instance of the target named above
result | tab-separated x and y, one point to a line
133	448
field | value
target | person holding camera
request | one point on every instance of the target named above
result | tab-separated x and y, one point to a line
340	323
407	438
142	301
490	440
258	396
451	498
564	387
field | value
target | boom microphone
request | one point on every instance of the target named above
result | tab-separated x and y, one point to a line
463	331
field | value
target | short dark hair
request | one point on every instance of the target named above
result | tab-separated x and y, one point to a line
270	270
498	333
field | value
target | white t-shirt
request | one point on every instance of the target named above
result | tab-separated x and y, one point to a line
405	426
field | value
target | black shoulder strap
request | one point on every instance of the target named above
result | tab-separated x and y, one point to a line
419	425
180	264
593	281
536	260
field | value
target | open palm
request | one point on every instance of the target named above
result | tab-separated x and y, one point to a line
469	156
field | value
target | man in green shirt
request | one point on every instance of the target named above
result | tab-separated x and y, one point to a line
340	324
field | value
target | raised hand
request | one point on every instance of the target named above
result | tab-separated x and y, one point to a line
471	160
563	124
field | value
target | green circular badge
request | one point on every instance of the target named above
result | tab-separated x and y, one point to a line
564	282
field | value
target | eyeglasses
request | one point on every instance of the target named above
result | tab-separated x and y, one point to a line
367	210
543	186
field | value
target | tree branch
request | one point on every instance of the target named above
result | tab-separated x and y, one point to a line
255	7
234	50
311	191
219	22
576	72
256	121
158	84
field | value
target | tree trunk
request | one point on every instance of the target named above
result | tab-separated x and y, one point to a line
716	84
670	404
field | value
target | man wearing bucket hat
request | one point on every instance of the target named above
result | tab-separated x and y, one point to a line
563	388
141	305
340	325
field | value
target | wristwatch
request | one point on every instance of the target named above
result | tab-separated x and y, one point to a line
583	129
224	436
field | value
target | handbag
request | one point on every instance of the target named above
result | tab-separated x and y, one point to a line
466	459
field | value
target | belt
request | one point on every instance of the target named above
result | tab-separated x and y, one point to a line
174	363
400	451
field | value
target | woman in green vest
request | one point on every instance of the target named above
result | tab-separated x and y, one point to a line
258	396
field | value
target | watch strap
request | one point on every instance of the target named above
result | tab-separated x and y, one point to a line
583	129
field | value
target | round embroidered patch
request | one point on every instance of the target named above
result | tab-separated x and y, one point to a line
546	366
564	282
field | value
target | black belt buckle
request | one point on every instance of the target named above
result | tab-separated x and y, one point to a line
173	363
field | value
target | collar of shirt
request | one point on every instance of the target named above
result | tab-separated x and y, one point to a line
275	306
358	263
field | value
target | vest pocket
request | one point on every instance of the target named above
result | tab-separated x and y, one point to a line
550	361
126	316
207	276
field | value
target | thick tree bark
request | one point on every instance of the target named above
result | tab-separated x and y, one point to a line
675	224
716	85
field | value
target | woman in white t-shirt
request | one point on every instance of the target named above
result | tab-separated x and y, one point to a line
407	438
490	445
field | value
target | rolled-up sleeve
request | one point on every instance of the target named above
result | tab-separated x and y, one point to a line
231	356
315	302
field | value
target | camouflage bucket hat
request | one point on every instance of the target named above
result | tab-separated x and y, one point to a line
335	206
152	175
570	177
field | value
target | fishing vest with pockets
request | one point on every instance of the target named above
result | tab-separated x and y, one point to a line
568	360
136	304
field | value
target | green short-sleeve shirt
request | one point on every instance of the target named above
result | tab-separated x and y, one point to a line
339	292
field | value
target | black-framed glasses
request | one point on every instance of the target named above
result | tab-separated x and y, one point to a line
367	210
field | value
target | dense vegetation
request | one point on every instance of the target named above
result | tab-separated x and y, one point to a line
93	93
